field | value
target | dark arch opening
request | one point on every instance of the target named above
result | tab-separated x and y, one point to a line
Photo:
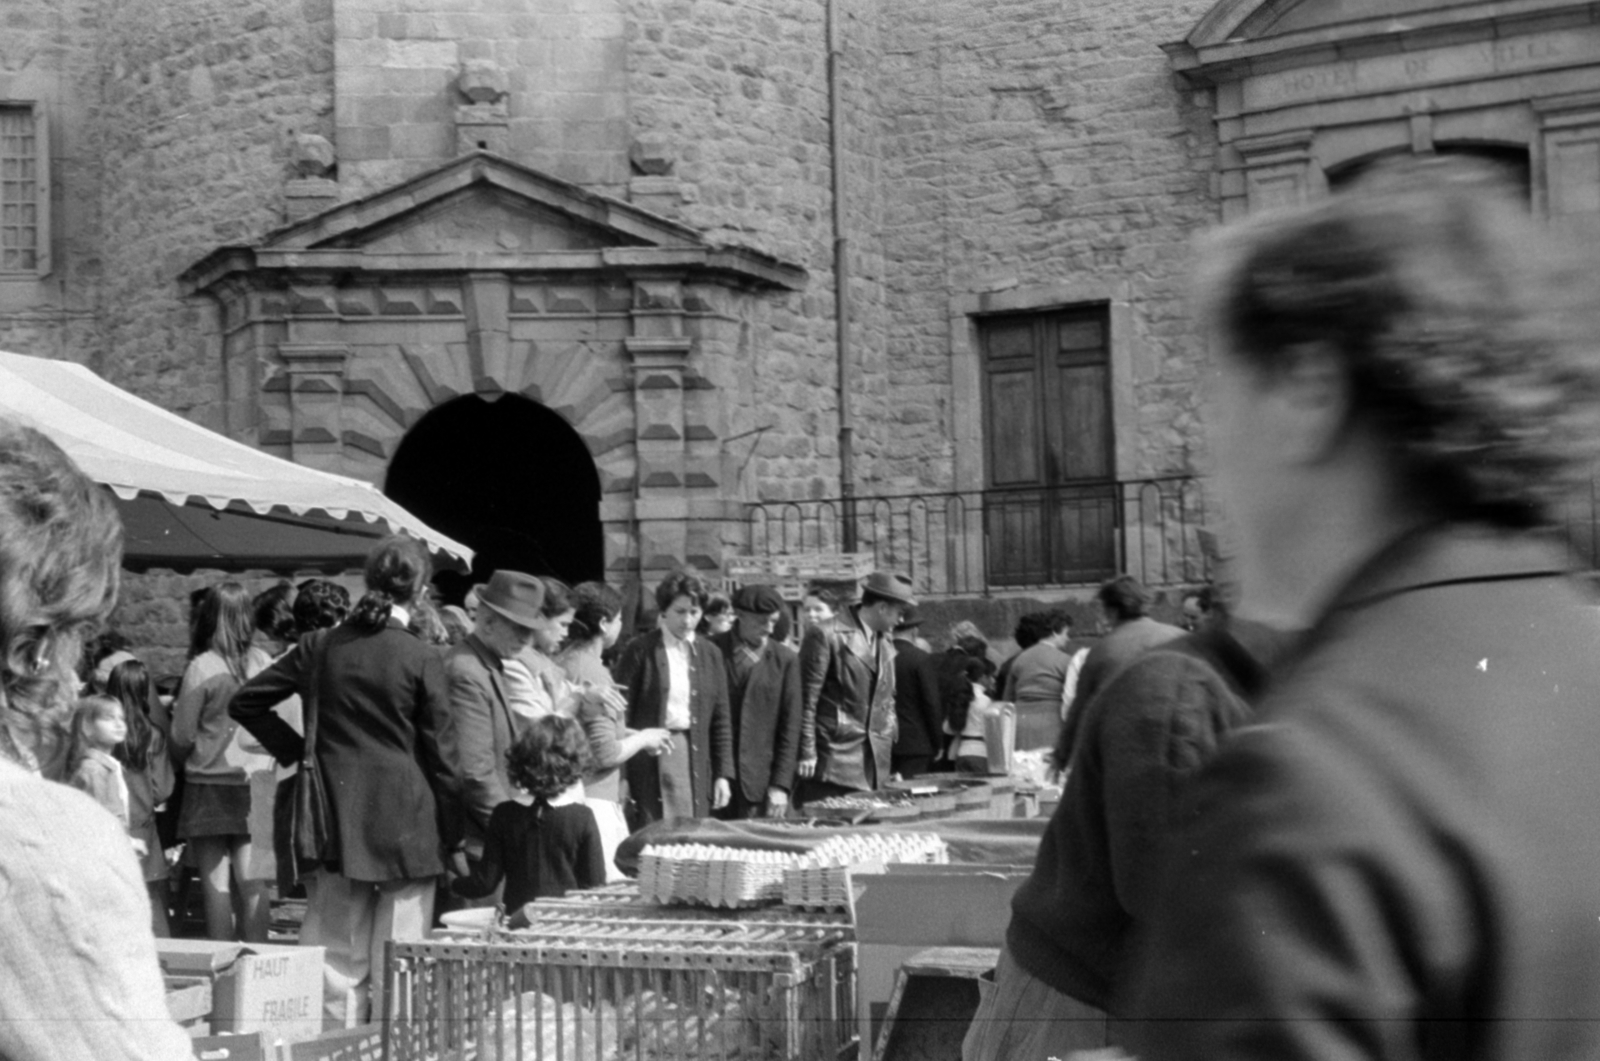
511	479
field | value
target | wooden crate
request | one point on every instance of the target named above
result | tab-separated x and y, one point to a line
799	568
598	987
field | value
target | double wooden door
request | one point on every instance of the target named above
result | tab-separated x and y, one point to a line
1051	506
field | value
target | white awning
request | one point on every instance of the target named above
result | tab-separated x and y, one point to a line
191	498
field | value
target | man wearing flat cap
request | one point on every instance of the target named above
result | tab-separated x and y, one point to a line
764	695
486	727
917	702
848	725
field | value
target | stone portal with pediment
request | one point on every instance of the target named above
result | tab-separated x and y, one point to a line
484	277
1308	90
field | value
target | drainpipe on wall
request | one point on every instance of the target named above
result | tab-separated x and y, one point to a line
841	282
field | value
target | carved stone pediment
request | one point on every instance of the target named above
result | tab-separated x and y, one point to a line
481	218
484	212
1376	45
1306	92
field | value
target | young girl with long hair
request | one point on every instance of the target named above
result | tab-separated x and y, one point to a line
98	727
148	773
217	764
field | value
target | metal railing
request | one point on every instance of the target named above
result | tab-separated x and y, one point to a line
997	540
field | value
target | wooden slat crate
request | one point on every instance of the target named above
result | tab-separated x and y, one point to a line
800	567
598	987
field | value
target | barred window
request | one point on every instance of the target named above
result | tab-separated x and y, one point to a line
20	174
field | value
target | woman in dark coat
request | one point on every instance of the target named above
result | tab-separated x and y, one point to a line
385	744
694	775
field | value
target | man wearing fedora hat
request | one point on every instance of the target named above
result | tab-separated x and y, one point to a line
764	698
848	724
486	727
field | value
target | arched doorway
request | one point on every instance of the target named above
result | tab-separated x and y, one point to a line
511	479
1510	162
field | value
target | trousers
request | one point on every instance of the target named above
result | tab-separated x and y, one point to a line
1021	1016
353	920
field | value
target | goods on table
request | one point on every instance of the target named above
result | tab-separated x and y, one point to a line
710	875
886	805
821	881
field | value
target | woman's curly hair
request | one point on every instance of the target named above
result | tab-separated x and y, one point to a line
550	757
594	604
1470	336
60	567
319	604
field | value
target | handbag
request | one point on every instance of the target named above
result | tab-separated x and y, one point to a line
304	836
1000	737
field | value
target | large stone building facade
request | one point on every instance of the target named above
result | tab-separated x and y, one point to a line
603	248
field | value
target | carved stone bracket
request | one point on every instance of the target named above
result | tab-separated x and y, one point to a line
315	374
1569	133
1277	170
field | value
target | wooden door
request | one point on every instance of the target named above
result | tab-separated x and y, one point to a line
1050	507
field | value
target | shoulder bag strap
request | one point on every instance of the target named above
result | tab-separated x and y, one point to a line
317	642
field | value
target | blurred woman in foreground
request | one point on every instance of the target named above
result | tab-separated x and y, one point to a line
1397	861
77	960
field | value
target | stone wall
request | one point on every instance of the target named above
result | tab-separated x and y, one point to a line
153	611
46	57
564	69
738	92
200	102
1036	144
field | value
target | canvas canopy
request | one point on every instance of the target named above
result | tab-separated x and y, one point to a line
191	498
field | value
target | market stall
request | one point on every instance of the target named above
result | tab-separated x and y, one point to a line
191	498
749	939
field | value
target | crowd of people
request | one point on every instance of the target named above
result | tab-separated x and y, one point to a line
502	749
1340	815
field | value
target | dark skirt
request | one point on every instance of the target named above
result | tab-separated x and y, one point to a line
677	786
214	810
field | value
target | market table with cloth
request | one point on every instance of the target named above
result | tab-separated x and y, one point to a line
1005	841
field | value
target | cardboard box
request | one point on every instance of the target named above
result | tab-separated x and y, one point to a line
912	907
251	1047
254	986
345	1044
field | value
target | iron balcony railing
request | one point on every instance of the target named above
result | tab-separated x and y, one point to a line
987	541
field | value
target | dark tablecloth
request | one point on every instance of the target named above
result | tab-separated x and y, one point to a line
992	841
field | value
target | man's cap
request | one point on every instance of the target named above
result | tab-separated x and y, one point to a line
908	622
892	586
513	595
760	600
